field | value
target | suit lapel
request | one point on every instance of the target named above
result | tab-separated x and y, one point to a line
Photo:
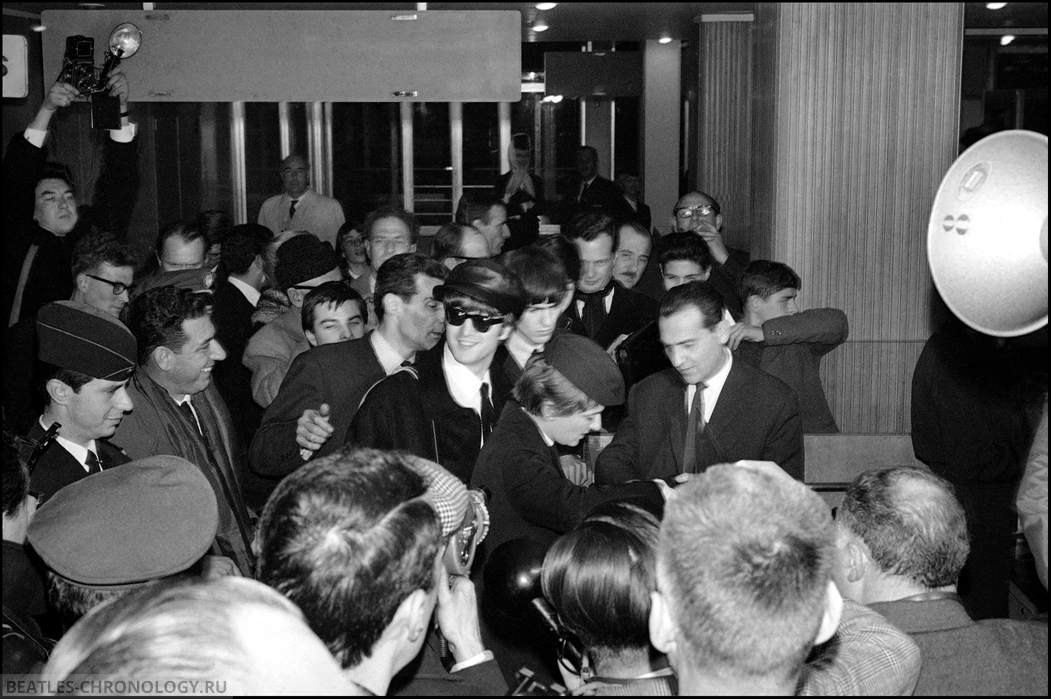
675	413
726	412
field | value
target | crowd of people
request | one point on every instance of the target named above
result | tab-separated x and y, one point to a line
279	456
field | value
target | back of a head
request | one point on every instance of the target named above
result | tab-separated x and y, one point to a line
475	206
566	252
348	538
542	274
744	564
183	631
188	231
242	244
447	241
764	278
911	522
599	577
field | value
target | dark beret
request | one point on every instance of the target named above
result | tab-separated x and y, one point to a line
195	280
303	258
127	525
586	366
77	337
487	281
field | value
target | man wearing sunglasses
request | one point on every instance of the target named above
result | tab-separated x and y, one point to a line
103	269
698	213
446	406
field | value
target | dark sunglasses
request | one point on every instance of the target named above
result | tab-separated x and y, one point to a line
457	316
118	287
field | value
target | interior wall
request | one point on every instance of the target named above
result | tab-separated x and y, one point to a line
661	82
855	120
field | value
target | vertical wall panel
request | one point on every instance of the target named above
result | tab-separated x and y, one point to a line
855	119
725	124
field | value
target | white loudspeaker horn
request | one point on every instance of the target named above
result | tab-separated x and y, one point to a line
987	235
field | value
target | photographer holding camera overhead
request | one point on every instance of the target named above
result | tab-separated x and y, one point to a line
40	203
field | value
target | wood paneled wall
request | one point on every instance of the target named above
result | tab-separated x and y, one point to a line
724	124
855	117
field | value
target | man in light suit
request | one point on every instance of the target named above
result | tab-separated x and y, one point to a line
708	409
300	208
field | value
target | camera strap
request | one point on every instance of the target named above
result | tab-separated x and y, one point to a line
27	266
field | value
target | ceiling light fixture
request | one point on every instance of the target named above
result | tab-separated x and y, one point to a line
544	6
665	39
995	5
1006	39
38	28
540	26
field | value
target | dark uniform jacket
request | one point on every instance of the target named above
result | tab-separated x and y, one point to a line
56	468
529	495
413	410
757	417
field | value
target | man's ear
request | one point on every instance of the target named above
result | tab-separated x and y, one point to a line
392	305
662	628
415	614
82	283
722	331
832	614
295	297
311	337
718	222
162	356
412	248
506	331
59	391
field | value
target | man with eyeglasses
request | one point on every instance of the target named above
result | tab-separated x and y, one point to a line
103	269
389	231
446	405
323	388
698	213
303	262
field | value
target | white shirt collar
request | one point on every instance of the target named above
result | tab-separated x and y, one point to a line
521	348
714	387
78	451
388	357
249	291
464	386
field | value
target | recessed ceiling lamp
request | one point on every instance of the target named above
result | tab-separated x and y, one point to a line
1006	39
665	39
544	6
38	28
539	25
995	5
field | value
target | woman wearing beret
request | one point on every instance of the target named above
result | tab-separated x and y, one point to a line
558	399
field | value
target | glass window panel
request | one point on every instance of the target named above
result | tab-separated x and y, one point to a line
481	145
432	163
262	154
366	156
626	136
564	121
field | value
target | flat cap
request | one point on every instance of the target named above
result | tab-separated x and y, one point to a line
77	337
302	258
487	281
586	366
447	494
125	526
196	280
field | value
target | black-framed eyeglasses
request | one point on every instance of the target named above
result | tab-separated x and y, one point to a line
457	316
118	287
690	211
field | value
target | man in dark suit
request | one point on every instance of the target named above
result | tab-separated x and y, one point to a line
708	409
235	300
630	188
594	192
86	358
324	386
602	307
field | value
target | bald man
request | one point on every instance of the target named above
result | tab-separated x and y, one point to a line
300	208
